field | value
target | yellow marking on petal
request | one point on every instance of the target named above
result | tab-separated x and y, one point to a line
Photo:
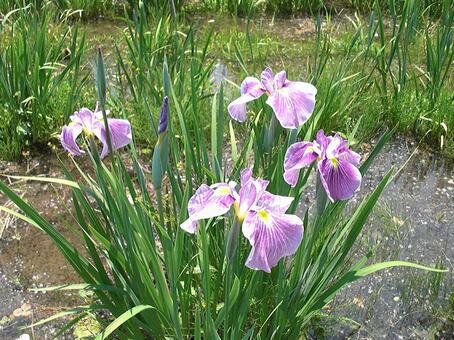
72	123
334	161
239	215
310	149
264	215
222	191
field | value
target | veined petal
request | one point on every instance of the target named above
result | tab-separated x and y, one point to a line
86	118
251	89
245	176
298	156
272	236
267	78
350	156
208	202
275	204
293	104
68	138
120	132
339	178
280	79
248	197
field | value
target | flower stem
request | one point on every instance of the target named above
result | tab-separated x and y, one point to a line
230	255
321	197
269	134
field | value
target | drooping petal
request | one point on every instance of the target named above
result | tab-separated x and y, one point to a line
208	202
68	138
120	132
271	237
251	89
298	156
339	178
293	103
275	204
267	78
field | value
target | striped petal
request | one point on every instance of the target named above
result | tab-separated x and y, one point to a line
251	89
207	202
272	236
293	103
68	138
298	156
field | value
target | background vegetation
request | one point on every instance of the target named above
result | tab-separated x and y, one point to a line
387	64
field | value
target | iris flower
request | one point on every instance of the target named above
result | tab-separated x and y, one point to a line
92	124
271	232
336	163
292	102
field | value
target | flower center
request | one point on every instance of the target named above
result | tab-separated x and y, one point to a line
87	131
239	215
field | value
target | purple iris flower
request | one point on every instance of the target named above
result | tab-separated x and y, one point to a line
91	123
336	163
271	232
292	102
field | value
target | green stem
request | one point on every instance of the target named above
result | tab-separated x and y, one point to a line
230	255
321	198
270	133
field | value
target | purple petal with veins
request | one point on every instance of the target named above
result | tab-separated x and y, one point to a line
272	236
207	202
298	156
293	103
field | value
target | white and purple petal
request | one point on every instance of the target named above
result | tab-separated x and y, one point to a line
275	204
298	156
120	132
251	89
267	79
207	202
86	118
69	136
272	236
293	103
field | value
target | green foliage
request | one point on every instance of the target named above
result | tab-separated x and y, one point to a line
51	62
198	286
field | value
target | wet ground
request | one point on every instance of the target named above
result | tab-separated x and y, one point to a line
414	221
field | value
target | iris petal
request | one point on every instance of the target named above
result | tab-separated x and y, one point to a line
274	203
68	138
293	104
271	237
120	132
298	156
251	89
339	178
208	202
267	78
